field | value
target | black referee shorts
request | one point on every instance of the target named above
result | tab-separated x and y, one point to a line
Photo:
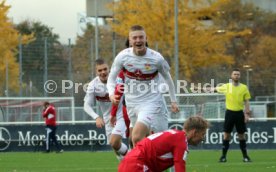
234	118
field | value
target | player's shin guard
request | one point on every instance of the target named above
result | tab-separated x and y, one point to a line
243	148
225	147
123	149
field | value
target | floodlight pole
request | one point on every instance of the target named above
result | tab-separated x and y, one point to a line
20	65
176	71
45	66
248	69
96	29
247	78
92	59
113	35
70	65
7	78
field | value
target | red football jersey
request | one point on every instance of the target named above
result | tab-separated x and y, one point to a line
158	152
50	115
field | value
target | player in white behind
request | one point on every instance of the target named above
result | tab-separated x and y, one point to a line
97	91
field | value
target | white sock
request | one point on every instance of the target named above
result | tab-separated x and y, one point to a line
120	157
123	149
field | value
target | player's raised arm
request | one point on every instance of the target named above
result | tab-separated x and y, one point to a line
45	111
164	71
111	81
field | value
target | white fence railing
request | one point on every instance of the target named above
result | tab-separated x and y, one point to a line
212	107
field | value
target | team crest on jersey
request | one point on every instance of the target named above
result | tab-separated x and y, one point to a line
138	72
147	66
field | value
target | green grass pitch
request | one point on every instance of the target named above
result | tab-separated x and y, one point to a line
198	161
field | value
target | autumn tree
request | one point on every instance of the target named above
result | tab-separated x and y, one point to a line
8	50
199	44
254	48
262	59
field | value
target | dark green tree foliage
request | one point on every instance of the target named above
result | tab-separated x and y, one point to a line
46	44
255	47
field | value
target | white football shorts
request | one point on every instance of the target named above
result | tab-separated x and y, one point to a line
153	115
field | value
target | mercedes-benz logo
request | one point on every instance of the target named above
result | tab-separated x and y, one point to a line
5	138
176	126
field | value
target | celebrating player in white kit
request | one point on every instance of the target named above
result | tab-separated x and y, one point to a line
97	91
141	66
161	122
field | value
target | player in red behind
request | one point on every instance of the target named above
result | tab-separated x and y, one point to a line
49	113
160	151
119	91
119	112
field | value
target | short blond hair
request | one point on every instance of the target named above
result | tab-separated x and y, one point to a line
196	122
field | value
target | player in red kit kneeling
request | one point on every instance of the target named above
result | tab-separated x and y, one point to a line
163	150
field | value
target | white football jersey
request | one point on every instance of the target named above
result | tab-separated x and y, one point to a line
141	75
97	91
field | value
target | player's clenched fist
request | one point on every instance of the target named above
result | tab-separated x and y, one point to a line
99	122
115	99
